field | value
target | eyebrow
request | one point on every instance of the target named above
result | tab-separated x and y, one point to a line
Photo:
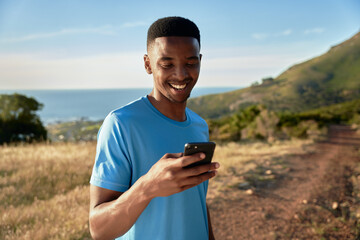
169	58
193	58
166	59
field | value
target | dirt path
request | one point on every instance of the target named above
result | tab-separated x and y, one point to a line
315	181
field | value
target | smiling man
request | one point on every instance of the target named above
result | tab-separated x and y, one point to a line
139	186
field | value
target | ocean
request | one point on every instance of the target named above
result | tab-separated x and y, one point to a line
89	104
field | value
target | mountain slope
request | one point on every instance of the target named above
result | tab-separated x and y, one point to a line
333	77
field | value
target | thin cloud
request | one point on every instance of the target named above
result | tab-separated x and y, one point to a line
314	31
286	32
259	36
134	24
102	30
26	71
262	36
243	70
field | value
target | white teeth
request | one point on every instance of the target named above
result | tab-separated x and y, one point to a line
178	87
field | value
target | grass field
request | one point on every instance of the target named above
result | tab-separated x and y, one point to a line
44	190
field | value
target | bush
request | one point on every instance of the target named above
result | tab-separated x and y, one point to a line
229	128
18	121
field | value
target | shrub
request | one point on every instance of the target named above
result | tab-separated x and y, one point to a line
18	121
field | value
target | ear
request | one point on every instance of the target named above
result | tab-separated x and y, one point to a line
200	56
147	64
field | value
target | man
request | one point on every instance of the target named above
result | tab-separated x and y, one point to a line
139	186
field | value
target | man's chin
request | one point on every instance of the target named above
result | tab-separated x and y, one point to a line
179	101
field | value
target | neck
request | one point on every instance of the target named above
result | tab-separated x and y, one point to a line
172	110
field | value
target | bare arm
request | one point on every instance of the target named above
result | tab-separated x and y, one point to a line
113	213
211	233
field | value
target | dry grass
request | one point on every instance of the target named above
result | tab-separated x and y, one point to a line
44	192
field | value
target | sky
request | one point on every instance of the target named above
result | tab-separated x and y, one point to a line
73	44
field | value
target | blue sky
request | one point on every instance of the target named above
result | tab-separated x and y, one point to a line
100	44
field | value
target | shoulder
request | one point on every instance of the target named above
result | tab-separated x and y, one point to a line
123	116
129	111
195	117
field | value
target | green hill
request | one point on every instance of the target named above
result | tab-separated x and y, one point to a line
333	77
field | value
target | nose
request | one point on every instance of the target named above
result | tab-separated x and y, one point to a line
181	73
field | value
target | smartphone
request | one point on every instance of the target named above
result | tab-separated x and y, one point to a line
197	147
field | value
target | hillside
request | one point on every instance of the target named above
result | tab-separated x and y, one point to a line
333	77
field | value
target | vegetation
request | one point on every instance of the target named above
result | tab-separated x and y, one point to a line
18	120
229	128
80	130
343	113
257	122
322	81
44	190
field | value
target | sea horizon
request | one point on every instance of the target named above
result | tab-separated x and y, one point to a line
64	105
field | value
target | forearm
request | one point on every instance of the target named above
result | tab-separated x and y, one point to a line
113	219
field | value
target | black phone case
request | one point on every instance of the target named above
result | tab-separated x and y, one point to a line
196	147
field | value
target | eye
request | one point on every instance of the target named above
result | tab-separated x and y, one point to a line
192	64
169	65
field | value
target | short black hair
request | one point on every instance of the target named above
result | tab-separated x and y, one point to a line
172	27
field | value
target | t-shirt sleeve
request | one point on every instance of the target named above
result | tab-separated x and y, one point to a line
112	167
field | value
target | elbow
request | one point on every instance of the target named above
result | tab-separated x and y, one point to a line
98	232
94	236
94	229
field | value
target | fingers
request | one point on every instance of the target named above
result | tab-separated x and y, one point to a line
173	155
182	161
171	176
196	180
187	160
194	171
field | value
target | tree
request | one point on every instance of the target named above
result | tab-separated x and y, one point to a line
268	80
255	84
18	120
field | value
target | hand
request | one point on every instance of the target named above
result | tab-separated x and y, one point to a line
168	176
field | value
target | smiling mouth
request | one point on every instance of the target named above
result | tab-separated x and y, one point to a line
178	87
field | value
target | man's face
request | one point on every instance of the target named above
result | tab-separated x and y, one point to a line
175	65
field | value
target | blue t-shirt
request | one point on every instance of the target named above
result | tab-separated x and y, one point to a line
131	140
